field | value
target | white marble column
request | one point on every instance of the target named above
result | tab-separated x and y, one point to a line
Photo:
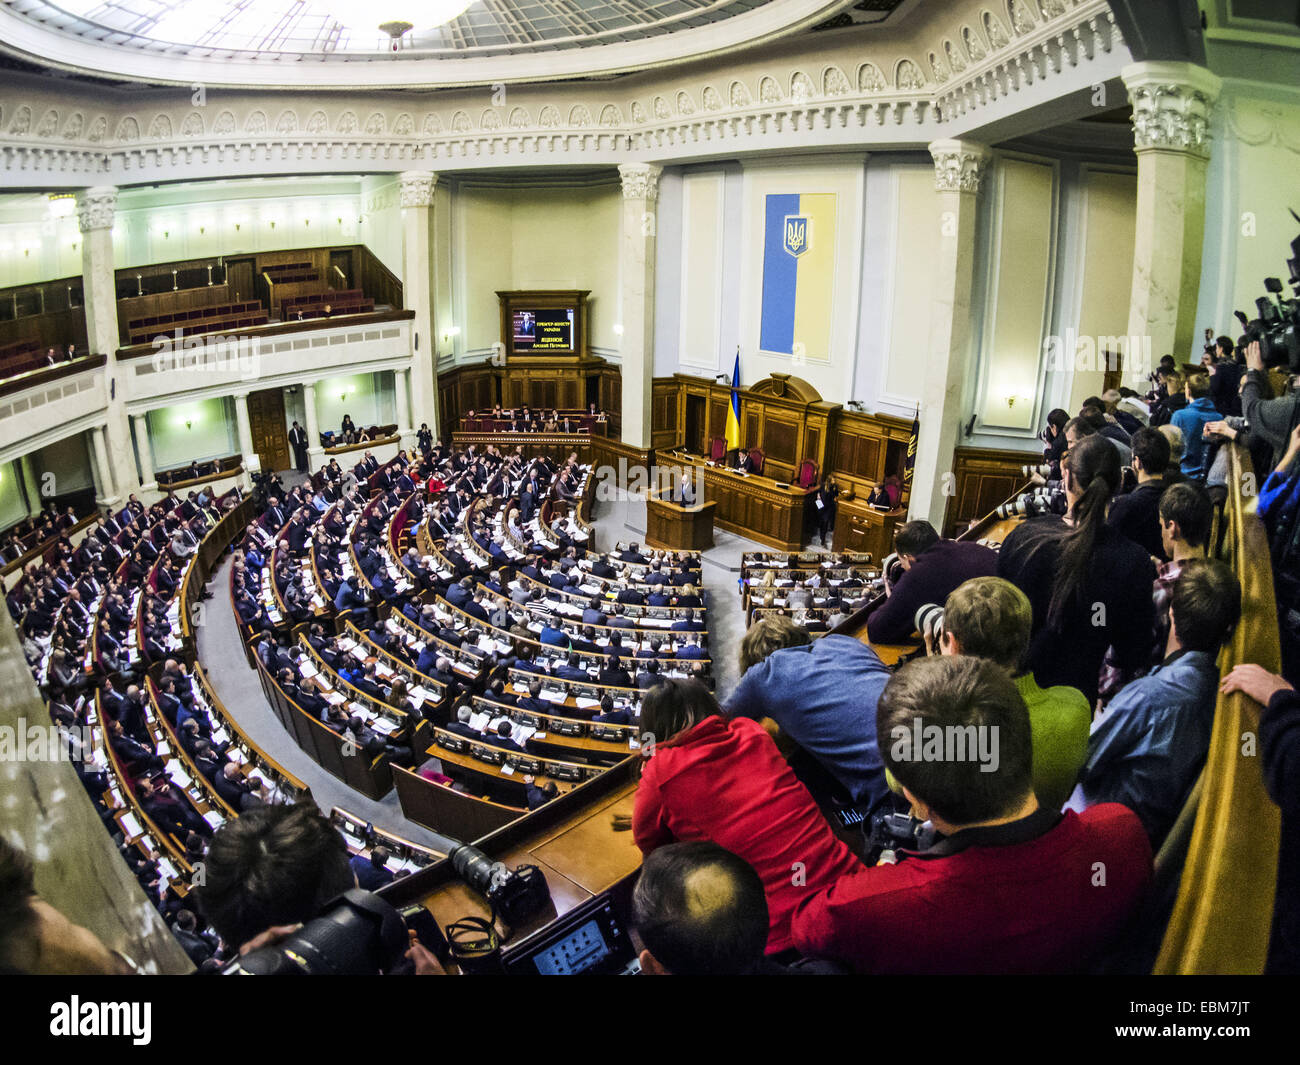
416	189
637	299
403	413
314	449
1172	106
95	211
958	169
140	423
31	487
105	495
252	463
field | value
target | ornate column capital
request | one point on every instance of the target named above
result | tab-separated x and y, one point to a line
958	165
415	187
96	207
1172	105
640	181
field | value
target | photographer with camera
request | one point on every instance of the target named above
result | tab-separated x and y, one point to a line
991	618
1270	419
1009	887
932	568
1136	514
1088	583
821	694
1192	420
274	869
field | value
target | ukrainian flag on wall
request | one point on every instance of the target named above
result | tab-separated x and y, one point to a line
732	432
798	274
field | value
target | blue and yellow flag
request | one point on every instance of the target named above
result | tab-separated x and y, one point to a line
798	274
733	408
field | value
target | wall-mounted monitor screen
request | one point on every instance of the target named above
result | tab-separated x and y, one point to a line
543	329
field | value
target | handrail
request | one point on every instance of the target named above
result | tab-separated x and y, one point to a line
1223	913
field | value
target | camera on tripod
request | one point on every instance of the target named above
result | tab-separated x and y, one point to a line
1277	326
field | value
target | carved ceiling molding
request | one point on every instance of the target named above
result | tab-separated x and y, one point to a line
1069	37
981	60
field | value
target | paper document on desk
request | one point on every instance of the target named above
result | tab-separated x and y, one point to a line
478	720
214	818
131	826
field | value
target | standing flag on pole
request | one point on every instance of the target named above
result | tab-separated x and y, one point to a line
912	439
733	410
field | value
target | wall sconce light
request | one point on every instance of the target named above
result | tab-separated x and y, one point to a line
306	221
340	221
236	227
618	329
188	423
202	230
273	225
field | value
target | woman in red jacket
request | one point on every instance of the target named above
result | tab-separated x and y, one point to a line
710	777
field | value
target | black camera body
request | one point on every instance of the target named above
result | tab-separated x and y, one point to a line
516	894
358	934
1276	327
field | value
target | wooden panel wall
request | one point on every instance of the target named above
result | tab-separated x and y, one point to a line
982	478
558	383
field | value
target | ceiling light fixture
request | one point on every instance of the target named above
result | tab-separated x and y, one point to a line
393	17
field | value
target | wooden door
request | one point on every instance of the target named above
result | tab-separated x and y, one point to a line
266	420
239	280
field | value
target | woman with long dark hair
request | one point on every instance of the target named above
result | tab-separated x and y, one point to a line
1090	586
711	777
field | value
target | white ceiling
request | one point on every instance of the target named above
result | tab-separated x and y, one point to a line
248	42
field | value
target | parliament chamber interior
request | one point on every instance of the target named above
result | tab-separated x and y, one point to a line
685	488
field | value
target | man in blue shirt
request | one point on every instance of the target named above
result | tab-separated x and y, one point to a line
822	694
1192	420
552	634
1147	749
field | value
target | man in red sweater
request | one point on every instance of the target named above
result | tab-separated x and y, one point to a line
1010	887
723	780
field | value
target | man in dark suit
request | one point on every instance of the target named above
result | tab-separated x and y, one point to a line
502	738
571	670
298	440
236	791
631	595
691	649
688	624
